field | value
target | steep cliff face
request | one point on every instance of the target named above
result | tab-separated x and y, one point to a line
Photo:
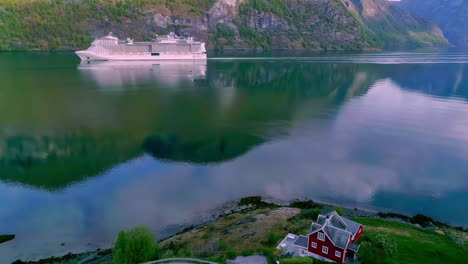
224	24
450	15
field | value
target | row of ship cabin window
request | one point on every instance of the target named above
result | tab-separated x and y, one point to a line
325	250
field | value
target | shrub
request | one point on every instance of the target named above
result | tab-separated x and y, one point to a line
248	252
339	210
393	215
272	239
305	204
311	213
270	255
5	238
176	247
254	200
135	246
376	249
422	220
300	260
426	221
231	254
387	243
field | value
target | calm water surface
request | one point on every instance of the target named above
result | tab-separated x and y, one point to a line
87	150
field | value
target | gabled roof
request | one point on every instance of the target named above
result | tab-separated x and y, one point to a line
321	219
314	227
337	228
351	226
338	236
336	220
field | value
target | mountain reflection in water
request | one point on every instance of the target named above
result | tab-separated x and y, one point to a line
80	163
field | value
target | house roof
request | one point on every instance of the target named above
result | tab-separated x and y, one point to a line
336	220
314	227
287	244
301	241
338	229
339	237
351	226
321	219
354	247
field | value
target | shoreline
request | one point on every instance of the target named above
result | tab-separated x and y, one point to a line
250	204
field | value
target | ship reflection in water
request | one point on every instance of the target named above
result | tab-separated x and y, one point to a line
114	74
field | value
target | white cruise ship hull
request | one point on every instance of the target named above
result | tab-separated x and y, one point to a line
86	55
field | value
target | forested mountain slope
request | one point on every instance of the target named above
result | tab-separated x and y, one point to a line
450	15
224	24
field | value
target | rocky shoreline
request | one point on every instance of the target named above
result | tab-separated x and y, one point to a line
244	206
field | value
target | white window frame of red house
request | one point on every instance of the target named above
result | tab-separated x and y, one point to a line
321	236
337	253
313	245
324	250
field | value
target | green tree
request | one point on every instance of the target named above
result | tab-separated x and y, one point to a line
135	246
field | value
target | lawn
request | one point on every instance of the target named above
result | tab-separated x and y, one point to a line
392	242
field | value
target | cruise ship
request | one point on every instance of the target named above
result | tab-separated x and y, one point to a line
167	47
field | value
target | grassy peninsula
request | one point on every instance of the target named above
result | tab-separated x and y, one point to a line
256	227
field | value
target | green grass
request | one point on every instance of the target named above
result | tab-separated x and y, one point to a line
413	245
302	260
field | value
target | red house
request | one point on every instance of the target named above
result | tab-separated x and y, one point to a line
331	238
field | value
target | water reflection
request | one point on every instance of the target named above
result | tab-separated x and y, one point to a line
80	132
91	163
116	74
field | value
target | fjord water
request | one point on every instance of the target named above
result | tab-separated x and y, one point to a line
89	149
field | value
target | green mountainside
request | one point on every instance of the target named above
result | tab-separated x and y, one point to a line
223	24
450	15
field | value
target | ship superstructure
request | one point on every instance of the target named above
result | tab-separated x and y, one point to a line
168	47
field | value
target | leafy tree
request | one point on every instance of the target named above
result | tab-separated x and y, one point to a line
135	246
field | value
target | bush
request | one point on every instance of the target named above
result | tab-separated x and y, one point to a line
311	213
300	260
376	249
176	248
272	239
393	215
339	210
248	252
135	246
254	200
305	204
270	255
387	243
5	238
231	254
